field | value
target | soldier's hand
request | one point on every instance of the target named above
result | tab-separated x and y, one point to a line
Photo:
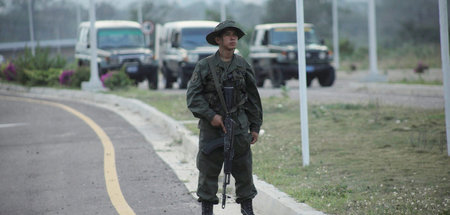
254	137
217	121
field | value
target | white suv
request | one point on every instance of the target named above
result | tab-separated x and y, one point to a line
119	44
183	45
273	53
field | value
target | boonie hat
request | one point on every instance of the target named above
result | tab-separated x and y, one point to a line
220	27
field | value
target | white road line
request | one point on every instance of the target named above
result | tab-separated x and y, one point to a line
10	125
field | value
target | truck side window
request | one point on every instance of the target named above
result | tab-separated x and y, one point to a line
265	40
175	39
253	40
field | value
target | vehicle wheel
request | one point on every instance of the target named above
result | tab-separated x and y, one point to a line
277	79
152	79
260	78
309	80
327	80
167	79
182	79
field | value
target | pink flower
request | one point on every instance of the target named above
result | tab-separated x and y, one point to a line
64	78
106	76
10	72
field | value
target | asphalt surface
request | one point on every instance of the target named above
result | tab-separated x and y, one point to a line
354	89
52	162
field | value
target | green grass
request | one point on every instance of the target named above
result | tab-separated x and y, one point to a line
365	159
417	81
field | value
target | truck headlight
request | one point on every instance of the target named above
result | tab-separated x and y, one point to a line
191	58
322	55
282	57
292	56
114	60
146	59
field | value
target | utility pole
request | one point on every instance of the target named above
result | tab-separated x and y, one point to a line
373	76
302	81
335	35
31	26
139	11
223	13
443	22
94	83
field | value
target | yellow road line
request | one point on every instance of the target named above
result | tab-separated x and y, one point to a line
112	181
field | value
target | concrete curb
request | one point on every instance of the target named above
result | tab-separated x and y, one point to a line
269	199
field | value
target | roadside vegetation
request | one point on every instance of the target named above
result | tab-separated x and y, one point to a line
365	159
42	69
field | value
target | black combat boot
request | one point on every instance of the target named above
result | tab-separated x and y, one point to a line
247	208
207	208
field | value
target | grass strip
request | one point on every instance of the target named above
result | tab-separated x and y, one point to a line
365	159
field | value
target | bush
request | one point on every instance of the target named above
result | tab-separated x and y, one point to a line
116	80
8	72
65	77
81	74
41	62
49	77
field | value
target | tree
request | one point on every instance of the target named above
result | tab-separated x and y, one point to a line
280	11
157	13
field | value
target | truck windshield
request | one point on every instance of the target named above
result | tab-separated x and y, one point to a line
120	38
194	37
288	36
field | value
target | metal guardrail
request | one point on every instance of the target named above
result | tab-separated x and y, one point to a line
42	43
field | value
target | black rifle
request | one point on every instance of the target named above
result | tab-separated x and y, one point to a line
228	150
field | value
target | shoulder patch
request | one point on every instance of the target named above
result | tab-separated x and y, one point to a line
194	76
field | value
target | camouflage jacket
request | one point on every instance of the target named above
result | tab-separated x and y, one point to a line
203	100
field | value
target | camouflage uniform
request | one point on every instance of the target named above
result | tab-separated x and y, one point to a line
204	103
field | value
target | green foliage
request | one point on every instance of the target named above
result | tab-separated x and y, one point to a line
2	68
49	77
40	61
346	47
117	80
81	74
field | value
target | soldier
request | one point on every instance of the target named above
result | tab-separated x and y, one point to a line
204	103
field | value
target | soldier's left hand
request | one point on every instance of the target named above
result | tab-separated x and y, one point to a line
254	137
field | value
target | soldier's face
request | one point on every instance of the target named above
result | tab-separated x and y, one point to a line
228	39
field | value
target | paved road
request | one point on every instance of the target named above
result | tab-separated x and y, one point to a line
52	162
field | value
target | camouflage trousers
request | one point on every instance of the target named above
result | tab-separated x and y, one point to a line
210	167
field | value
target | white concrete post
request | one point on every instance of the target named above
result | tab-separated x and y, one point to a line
31	26
302	81
78	14
373	76
443	21
335	35
158	28
94	83
139	12
223	13
372	39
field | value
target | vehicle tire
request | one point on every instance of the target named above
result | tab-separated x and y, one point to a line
260	78
167	78
327	79
152	79
277	79
182	79
260	81
309	80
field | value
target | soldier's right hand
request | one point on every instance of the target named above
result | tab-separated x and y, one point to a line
217	121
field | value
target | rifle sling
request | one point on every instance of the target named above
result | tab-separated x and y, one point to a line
213	69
